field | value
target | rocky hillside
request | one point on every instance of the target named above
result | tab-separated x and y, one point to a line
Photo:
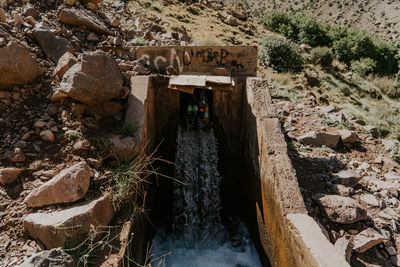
376	16
65	68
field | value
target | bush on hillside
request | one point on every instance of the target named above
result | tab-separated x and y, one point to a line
281	23
322	56
348	44
310	31
363	66
281	54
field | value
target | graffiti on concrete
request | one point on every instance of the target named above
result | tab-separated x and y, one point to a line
185	57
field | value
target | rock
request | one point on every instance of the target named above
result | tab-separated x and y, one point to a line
92	37
366	240
69	2
52	229
395	260
29	10
64	64
92	1
329	109
388	144
47	136
17	66
372	130
369	199
389	214
348	177
68	186
92	6
231	20
3	17
16	155
115	22
337	117
348	137
341	190
171	70
141	69
82	145
9	175
125	148
106	109
94	80
391	176
391	251
305	48
54	46
316	138
376	185
80	17
49	258
117	259
344	210
342	245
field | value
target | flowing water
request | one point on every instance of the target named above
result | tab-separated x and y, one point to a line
198	238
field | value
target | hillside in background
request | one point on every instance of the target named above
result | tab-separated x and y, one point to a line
380	17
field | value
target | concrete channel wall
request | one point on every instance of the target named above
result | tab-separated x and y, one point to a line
288	235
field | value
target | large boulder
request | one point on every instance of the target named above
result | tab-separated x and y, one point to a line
49	258
54	46
93	80
316	138
81	17
68	186
17	66
52	229
344	210
9	175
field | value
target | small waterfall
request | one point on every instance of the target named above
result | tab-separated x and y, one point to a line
198	239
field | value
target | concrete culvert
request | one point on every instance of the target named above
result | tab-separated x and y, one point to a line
234	192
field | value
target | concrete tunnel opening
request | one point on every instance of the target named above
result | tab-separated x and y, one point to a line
234	191
258	185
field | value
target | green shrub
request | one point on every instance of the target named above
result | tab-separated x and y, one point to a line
348	44
281	23
322	56
139	41
281	54
363	66
310	31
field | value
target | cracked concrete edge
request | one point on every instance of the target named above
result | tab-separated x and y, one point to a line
311	243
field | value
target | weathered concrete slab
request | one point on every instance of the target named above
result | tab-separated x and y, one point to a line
319	251
239	60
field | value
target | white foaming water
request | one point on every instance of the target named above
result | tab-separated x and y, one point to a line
198	239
